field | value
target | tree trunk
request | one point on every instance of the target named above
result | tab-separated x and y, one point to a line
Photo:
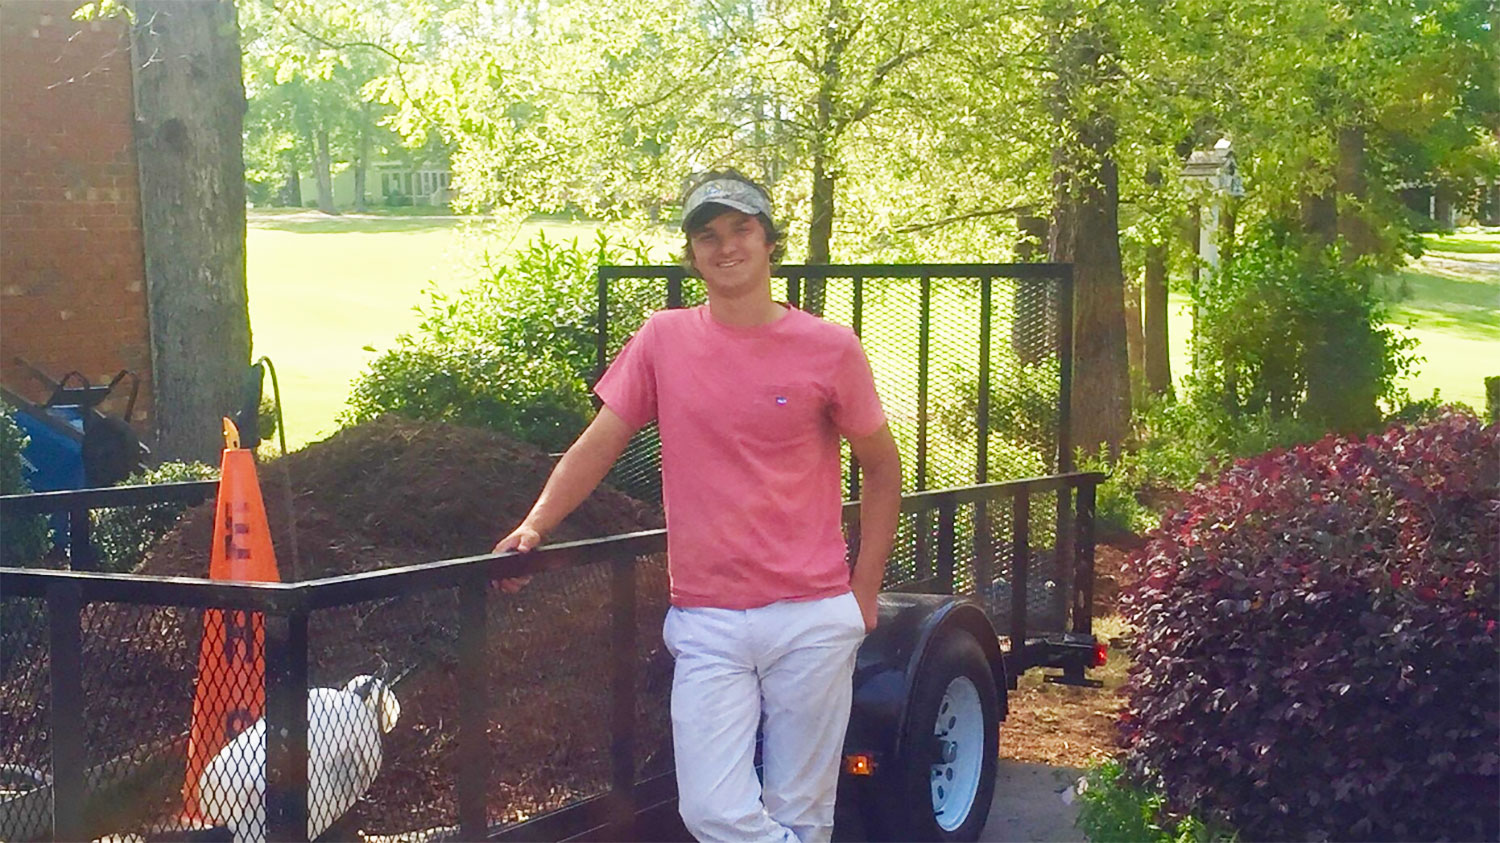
1342	389
819	233
1101	372
1135	337
1086	229
323	169
1442	204
189	111
362	162
1157	357
1319	216
820	228
1060	232
291	188
1352	223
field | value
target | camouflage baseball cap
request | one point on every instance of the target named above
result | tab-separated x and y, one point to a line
727	192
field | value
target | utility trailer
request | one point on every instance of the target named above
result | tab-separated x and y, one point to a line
988	580
930	682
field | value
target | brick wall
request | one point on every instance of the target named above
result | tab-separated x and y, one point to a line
72	274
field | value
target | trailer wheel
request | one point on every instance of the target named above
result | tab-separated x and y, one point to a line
941	785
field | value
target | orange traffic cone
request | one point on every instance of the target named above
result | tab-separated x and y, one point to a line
231	692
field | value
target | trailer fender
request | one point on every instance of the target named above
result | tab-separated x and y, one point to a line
888	662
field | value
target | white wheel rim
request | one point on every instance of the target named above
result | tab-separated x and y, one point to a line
959	732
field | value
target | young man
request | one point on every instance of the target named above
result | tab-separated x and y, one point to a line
751	398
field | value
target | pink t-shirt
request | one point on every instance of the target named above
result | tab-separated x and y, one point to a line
750	420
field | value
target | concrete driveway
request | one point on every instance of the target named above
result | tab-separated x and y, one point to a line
1033	802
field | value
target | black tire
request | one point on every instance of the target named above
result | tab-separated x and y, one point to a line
907	795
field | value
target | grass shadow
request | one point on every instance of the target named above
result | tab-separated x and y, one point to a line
315	222
1469	308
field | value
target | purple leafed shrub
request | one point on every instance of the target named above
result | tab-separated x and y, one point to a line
1317	655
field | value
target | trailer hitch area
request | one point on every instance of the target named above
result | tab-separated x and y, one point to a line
1075	654
1074	677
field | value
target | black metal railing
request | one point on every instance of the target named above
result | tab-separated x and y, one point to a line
960	563
78	503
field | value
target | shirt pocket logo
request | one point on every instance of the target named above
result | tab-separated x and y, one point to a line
780	413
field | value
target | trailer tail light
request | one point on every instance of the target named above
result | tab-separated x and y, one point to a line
1101	653
859	764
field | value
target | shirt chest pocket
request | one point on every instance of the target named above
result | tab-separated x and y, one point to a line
782	414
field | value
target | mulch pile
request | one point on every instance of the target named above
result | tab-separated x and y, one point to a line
394	492
390	493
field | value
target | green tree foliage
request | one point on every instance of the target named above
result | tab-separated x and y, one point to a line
1332	104
314	72
568	106
23	539
898	130
1291	331
605	109
515	352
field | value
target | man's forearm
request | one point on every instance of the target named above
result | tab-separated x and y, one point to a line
879	509
572	480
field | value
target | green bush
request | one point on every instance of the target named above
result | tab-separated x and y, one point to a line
1172	447
23	539
1289	331
1112	809
539	400
1422	410
513	353
24	542
1176	443
122	535
1116	508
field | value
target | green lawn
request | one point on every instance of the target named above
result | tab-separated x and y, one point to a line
1449	300
322	289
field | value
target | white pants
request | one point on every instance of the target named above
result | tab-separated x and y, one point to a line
789	663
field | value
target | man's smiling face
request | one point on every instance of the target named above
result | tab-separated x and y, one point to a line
732	254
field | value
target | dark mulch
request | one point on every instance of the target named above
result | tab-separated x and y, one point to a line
397	492
1111	550
375	496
